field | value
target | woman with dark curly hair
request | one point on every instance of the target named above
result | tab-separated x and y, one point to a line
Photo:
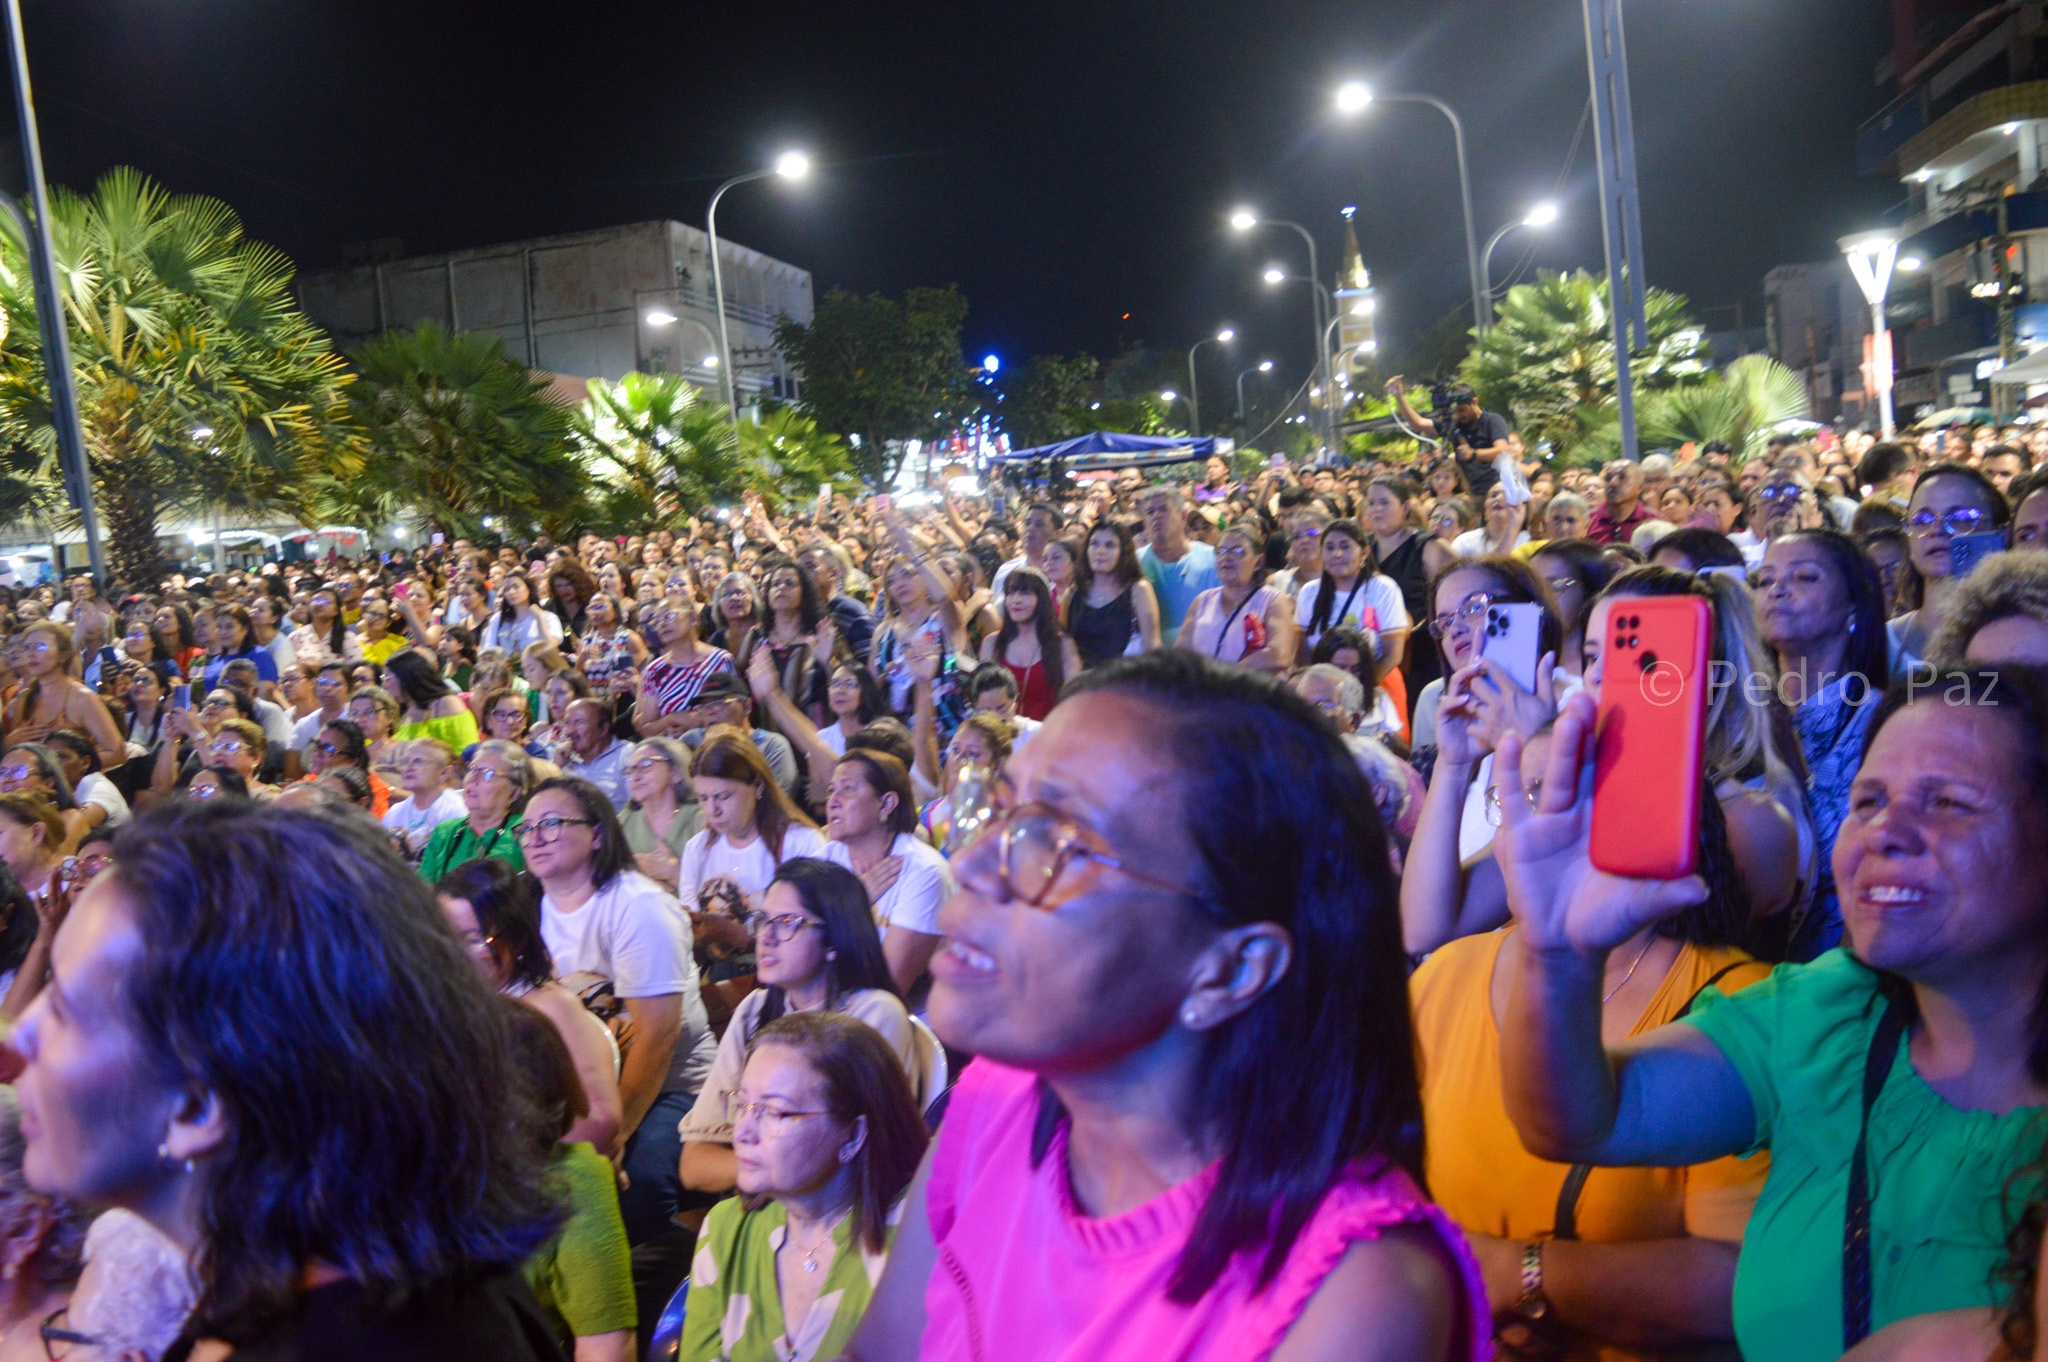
260	1036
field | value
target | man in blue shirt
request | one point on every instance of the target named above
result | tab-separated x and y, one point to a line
1179	568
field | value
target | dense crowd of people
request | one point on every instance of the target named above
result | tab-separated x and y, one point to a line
1131	920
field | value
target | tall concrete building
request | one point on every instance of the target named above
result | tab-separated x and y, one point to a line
585	304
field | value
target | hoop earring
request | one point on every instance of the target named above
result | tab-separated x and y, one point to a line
163	1153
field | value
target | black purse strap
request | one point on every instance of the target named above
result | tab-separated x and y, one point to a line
1884	1050
1565	1223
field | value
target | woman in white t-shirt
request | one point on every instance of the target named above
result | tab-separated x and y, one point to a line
750	826
818	950
1353	591
1502	532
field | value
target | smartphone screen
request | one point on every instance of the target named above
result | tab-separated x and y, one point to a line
440	538
885	503
1965	551
181	696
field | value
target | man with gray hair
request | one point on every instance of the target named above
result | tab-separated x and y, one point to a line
1657	469
1567	517
1616	517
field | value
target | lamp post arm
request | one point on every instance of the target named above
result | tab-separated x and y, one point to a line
725	377
1464	192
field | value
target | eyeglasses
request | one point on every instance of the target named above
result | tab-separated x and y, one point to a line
1305	536
1787	494
327	683
1231	551
1034	846
197	791
59	1338
484	775
785	928
21	772
548	831
1467	614
217	702
774	1120
1962	520
1562	583
227	748
844	683
646	764
328	748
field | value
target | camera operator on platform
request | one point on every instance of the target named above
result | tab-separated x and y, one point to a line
1472	436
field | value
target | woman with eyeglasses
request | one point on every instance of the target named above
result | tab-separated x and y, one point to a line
981	744
609	647
33	768
735	610
432	797
379	641
494	787
325	636
816	949
1182	879
1449	885
214	782
604	921
33	843
1112	610
239	746
139	647
662	815
50	698
371	708
1949	499
750	825
789	632
1243	620
505	717
495	910
827	1138
518	622
667	706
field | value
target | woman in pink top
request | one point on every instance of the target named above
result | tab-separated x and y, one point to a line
1193	1132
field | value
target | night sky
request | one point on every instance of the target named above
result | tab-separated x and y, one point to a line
1063	163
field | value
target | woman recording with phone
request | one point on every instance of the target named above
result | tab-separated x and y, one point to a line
1897	1086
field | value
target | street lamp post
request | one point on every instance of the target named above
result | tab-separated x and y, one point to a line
1542	215
1244	219
1354	95
1872	257
1223	337
1264	366
790	165
1320	365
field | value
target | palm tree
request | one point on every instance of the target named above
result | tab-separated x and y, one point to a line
1549	359
657	450
463	434
196	373
1741	405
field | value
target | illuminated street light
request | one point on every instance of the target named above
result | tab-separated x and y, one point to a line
1223	337
710	361
1244	219
1264	366
1542	215
790	165
1872	256
1354	95
990	363
657	316
1909	263
1275	275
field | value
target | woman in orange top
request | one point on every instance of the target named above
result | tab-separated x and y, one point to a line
1628	1263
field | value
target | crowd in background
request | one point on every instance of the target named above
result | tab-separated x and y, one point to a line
460	947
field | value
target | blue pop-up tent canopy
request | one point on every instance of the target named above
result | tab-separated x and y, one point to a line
1113	449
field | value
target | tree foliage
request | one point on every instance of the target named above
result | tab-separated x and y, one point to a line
1046	399
199	381
657	449
462	433
1741	405
884	370
1549	360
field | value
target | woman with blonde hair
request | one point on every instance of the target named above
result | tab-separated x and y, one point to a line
51	698
750	825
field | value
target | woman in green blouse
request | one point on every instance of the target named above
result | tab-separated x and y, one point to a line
828	1137
427	707
662	815
493	789
1897	1086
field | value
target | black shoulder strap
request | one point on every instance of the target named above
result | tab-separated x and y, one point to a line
1565	1223
1884	1049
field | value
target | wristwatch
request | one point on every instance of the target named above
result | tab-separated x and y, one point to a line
1533	1305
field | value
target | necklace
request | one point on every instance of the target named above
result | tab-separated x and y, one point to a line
1631	971
824	1238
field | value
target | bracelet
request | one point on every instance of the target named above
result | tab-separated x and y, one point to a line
1533	1305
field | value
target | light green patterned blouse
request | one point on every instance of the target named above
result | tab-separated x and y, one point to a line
735	1307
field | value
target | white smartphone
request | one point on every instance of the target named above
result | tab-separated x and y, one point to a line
1512	629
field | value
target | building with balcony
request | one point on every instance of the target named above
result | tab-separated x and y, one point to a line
583	305
1966	135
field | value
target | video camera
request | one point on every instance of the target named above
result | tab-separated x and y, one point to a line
1444	397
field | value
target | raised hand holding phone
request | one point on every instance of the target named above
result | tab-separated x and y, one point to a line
1651	735
1558	896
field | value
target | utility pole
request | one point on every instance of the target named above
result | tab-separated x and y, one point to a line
2004	395
49	305
1614	141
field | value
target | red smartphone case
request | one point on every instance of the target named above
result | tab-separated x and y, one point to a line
1651	737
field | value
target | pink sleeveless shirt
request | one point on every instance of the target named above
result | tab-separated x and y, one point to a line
1024	1276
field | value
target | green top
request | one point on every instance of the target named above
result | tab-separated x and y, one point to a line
455	842
457	730
735	1308
583	1279
681	828
1800	1041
